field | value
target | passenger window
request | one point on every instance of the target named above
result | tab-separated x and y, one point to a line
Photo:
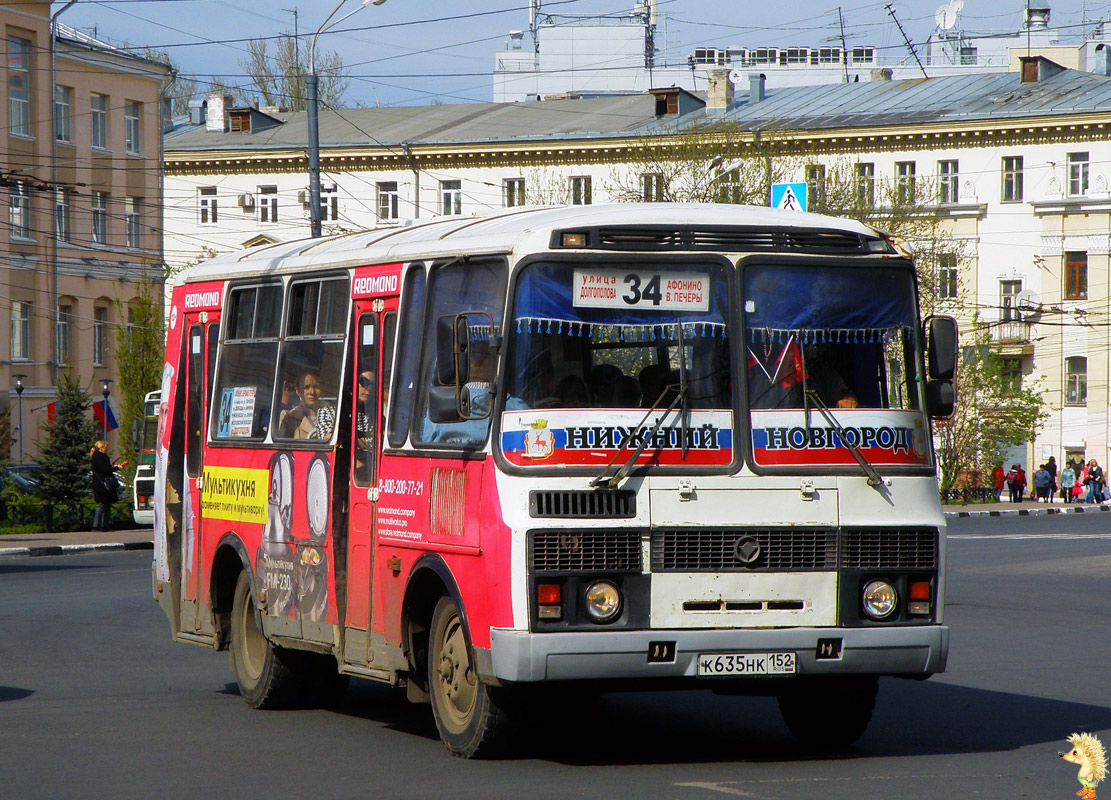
408	356
245	381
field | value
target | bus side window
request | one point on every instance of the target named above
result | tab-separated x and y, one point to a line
408	358
244	381
366	400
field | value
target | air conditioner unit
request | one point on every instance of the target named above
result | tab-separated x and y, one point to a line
246	201
303	197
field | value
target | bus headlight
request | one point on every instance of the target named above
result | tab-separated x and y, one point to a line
603	601
880	599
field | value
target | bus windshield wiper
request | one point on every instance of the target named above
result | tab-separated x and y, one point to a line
613	481
874	479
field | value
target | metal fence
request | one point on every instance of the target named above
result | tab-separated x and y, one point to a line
980	494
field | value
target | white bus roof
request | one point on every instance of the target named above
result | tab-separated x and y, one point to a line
522	230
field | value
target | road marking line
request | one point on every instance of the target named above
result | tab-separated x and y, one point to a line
1014	536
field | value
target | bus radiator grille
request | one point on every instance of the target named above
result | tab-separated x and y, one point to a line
601	504
585	551
889	548
733	550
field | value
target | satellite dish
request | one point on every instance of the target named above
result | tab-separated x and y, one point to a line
945	17
1028	304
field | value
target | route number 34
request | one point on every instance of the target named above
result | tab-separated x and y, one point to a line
639	290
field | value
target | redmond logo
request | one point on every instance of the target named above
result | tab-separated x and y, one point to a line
203	300
381	284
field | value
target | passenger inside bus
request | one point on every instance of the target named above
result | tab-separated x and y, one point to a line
313	418
364	424
775	375
483	370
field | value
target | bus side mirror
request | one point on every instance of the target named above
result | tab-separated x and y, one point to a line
445	405
941	344
453	350
940	399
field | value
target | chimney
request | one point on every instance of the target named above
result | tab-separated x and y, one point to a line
882	74
756	88
197	109
719	90
218	104
1037	18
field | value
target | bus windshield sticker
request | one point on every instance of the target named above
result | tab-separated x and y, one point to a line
889	437
586	438
641	289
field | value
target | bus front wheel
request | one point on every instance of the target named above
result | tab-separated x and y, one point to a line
829	712
265	673
471	720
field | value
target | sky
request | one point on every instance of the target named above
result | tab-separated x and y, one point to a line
409	52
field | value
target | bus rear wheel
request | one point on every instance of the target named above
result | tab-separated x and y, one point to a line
829	712
471	720
265	673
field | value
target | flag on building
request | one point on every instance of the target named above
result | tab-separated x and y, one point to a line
52	410
102	410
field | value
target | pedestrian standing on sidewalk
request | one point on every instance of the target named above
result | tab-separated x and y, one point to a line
1012	483
1042	483
1051	468
998	478
1096	481
105	485
1068	481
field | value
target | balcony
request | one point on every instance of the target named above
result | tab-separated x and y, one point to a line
1012	338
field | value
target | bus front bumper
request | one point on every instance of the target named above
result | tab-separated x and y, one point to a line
520	656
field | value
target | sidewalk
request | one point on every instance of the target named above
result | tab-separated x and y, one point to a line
56	544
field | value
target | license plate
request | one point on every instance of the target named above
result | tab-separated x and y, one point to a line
717	664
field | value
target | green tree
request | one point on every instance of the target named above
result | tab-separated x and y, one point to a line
140	350
995	411
279	76
64	452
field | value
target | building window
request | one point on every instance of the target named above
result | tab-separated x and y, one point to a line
132	214
61	342
131	113
1076	276
1012	179
947	276
1078	174
1076	381
388	206
63	113
98	119
100	217
513	192
267	204
63	228
581	192
19	210
21	330
652	187
329	202
100	334
816	185
948	182
1008	297
866	184
206	205
904	183
19	88
1010	376
451	198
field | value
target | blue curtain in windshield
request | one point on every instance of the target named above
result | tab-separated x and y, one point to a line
544	305
824	304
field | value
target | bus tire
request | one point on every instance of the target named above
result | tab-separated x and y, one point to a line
265	673
829	712
471	720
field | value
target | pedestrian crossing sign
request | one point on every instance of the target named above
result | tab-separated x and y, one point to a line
789	196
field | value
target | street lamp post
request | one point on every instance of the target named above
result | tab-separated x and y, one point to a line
312	106
19	394
104	390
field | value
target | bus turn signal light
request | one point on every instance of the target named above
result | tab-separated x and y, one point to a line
920	590
549	599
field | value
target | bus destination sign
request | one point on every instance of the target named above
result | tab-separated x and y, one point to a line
658	291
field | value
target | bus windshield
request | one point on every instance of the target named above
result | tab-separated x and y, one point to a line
832	338
150	432
593	346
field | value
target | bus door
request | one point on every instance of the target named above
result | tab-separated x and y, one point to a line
202	333
375	330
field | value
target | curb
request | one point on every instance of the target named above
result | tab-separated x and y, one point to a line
1073	508
70	549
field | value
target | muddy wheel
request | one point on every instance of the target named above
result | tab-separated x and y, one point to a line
471	721
829	712
265	673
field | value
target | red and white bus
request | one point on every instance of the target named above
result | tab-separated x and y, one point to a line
604	447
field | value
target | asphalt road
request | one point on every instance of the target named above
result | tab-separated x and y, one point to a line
96	702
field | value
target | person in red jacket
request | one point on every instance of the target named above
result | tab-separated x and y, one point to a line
998	478
1016	483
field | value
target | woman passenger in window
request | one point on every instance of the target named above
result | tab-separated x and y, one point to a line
313	418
